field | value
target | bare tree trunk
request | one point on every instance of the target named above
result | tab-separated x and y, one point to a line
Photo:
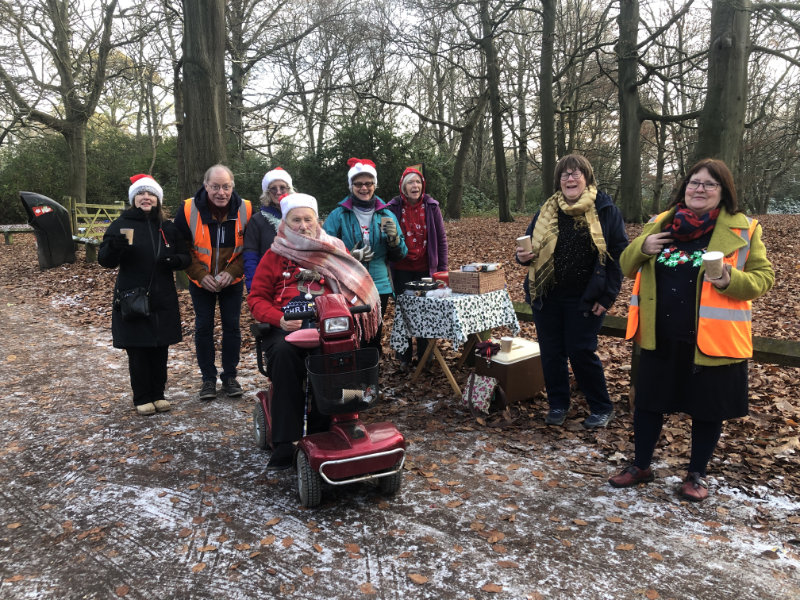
204	89
455	196
630	123
496	109
721	123
546	106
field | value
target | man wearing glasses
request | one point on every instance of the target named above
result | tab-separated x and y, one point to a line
214	222
261	230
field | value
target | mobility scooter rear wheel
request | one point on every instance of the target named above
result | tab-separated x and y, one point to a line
309	483
260	428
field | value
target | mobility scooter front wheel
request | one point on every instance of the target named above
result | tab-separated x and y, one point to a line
309	483
390	485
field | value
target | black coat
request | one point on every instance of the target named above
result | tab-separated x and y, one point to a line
606	280
152	240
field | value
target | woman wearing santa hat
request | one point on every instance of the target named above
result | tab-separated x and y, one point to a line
147	249
302	255
423	229
263	226
369	230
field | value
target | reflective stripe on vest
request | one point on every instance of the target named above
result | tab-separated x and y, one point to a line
201	241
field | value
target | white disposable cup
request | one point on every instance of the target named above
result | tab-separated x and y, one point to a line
505	343
128	233
524	242
713	264
427	280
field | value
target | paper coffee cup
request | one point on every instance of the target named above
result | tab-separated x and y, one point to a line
713	264
385	220
427	280
505	343
524	242
128	233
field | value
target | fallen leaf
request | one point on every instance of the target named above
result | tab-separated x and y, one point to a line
492	588
624	547
507	564
267	541
366	588
580	522
307	571
613	519
352	548
14	526
272	522
655	556
122	590
198	567
317	547
287	541
417	578
651	594
208	548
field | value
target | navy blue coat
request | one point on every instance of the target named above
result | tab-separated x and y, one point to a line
606	280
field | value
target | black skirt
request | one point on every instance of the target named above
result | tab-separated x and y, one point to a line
668	381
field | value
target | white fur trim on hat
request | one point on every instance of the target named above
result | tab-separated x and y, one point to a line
291	201
277	174
360	166
144	183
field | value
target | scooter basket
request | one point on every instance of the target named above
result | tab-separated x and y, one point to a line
344	382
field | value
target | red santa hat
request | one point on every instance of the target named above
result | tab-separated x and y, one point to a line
360	166
292	201
277	174
144	183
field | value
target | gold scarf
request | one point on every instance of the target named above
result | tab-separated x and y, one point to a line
545	236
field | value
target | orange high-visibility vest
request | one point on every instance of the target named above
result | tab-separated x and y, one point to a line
723	323
202	238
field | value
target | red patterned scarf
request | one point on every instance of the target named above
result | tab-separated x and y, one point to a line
686	225
344	274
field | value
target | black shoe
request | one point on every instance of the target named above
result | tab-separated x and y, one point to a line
556	416
209	390
231	387
597	420
282	457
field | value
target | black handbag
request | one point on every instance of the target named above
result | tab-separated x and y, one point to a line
134	303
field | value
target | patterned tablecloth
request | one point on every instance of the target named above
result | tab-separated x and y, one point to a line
452	318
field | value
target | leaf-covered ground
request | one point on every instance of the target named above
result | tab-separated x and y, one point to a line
97	502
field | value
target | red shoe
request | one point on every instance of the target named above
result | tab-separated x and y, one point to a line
631	476
694	488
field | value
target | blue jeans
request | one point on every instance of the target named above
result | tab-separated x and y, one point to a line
566	333
230	310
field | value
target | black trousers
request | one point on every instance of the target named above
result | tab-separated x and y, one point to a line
148	369
286	367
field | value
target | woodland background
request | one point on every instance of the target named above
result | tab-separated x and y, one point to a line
486	93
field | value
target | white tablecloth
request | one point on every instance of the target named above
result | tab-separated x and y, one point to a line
452	318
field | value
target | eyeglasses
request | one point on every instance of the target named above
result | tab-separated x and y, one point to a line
706	185
278	189
215	187
364	184
577	174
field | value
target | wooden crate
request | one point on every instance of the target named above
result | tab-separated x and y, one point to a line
469	282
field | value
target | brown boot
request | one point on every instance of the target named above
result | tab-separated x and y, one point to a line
694	488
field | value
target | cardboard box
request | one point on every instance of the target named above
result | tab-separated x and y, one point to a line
519	372
462	282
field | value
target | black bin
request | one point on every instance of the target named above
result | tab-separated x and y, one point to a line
51	226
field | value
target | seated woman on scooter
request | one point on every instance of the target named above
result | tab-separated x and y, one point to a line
300	246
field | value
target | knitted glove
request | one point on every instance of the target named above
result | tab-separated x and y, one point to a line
390	229
364	254
118	242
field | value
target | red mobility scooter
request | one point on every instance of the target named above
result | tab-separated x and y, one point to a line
342	380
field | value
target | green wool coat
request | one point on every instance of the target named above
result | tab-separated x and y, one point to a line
755	281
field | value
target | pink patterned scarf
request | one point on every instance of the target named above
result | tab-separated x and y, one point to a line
344	274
